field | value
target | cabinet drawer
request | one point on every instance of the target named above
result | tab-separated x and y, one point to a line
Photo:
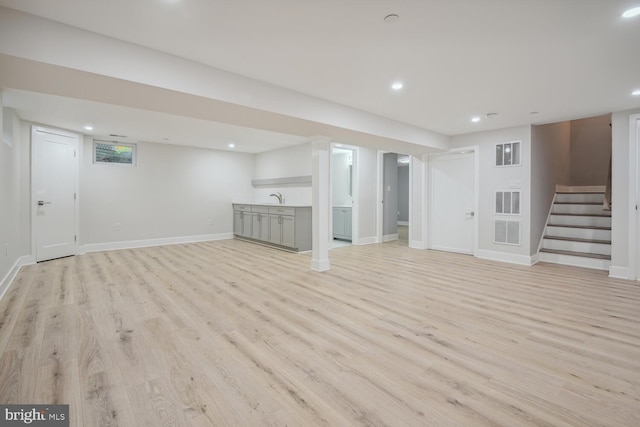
260	209
242	208
281	211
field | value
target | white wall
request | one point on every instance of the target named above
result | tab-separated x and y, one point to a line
550	165
367	180
493	179
341	176
620	193
283	163
13	235
172	192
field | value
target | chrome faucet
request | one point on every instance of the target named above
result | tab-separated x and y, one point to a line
278	196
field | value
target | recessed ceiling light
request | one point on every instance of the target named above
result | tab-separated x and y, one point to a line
231	145
397	86
533	113
391	18
631	12
636	92
492	115
88	127
475	119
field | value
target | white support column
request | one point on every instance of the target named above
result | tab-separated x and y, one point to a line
418	211
321	150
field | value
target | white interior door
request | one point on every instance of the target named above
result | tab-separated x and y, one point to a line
54	177
452	207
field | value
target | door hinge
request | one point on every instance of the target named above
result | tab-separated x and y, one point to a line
75	197
75	238
74	153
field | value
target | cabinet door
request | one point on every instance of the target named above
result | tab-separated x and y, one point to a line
288	224
255	226
275	229
264	227
246	224
347	223
237	223
338	223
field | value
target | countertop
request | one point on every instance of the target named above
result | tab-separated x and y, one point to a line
275	205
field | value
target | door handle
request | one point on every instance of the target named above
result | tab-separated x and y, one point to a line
42	203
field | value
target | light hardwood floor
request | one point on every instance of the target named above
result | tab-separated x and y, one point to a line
233	334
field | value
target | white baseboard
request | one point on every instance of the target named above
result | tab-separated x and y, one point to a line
389	237
320	264
535	259
6	282
417	244
132	244
619	273
505	257
403	223
366	241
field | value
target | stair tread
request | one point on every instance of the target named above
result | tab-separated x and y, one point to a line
575	214
576	254
577	239
587	227
579	203
579	192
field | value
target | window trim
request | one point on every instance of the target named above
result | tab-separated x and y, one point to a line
495	208
495	152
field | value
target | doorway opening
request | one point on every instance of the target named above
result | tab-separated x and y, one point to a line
394	203
343	196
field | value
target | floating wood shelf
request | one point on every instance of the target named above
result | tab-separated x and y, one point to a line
297	181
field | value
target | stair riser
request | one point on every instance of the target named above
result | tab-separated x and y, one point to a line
589	221
580	198
598	264
564	245
579	233
580	209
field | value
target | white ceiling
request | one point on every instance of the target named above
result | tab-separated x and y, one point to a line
564	59
141	125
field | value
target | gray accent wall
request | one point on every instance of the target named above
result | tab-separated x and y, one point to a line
403	193
590	150
390	194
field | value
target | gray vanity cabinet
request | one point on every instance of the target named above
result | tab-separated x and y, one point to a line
285	227
342	223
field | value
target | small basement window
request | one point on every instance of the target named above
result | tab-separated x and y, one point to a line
508	154
114	152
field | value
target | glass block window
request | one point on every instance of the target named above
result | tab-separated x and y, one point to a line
508	154
508	202
114	152
507	232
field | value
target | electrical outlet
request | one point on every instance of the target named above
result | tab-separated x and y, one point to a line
211	221
117	226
